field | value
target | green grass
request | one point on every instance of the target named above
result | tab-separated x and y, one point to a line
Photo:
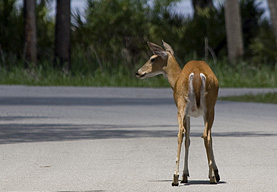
259	98
245	74
50	77
240	75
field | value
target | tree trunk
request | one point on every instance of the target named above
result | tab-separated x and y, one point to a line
30	50
233	30
272	4
201	4
62	35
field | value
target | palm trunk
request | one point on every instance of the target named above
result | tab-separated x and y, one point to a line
233	30
30	50
62	35
272	4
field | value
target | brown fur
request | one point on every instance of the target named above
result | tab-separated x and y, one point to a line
179	81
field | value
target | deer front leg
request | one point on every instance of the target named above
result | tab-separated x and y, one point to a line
187	144
180	140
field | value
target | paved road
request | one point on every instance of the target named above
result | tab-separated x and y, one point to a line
124	139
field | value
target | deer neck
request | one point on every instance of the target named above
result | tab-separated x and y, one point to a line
172	71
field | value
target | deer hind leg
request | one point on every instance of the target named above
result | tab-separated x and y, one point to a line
213	171
180	117
187	144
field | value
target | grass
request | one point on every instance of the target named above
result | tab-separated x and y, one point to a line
50	77
244	74
240	75
259	98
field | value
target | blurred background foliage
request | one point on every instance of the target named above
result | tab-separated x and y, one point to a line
116	32
111	35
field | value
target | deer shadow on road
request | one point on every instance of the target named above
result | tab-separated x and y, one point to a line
190	182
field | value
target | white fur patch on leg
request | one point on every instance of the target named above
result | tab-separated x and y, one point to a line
190	82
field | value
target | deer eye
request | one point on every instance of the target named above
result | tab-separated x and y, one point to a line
152	60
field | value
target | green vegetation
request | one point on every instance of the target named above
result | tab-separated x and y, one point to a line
244	74
259	98
109	44
240	75
48	76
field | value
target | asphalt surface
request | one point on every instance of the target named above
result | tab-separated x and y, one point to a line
125	139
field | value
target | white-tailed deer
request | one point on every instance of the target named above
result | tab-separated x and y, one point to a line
195	93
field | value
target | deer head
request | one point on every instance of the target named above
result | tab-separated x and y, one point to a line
155	65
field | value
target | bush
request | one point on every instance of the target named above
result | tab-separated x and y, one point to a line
110	39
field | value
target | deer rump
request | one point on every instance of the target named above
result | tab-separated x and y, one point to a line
196	98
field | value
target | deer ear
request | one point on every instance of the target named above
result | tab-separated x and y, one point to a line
157	50
168	47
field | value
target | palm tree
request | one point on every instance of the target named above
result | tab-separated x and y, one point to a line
233	30
272	4
62	35
30	50
201	4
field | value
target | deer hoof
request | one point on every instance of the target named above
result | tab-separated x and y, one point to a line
217	175
213	180
175	180
184	178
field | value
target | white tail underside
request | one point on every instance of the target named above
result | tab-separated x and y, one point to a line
192	109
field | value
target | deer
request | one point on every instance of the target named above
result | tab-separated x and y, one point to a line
195	92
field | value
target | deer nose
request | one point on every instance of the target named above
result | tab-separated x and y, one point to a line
140	76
